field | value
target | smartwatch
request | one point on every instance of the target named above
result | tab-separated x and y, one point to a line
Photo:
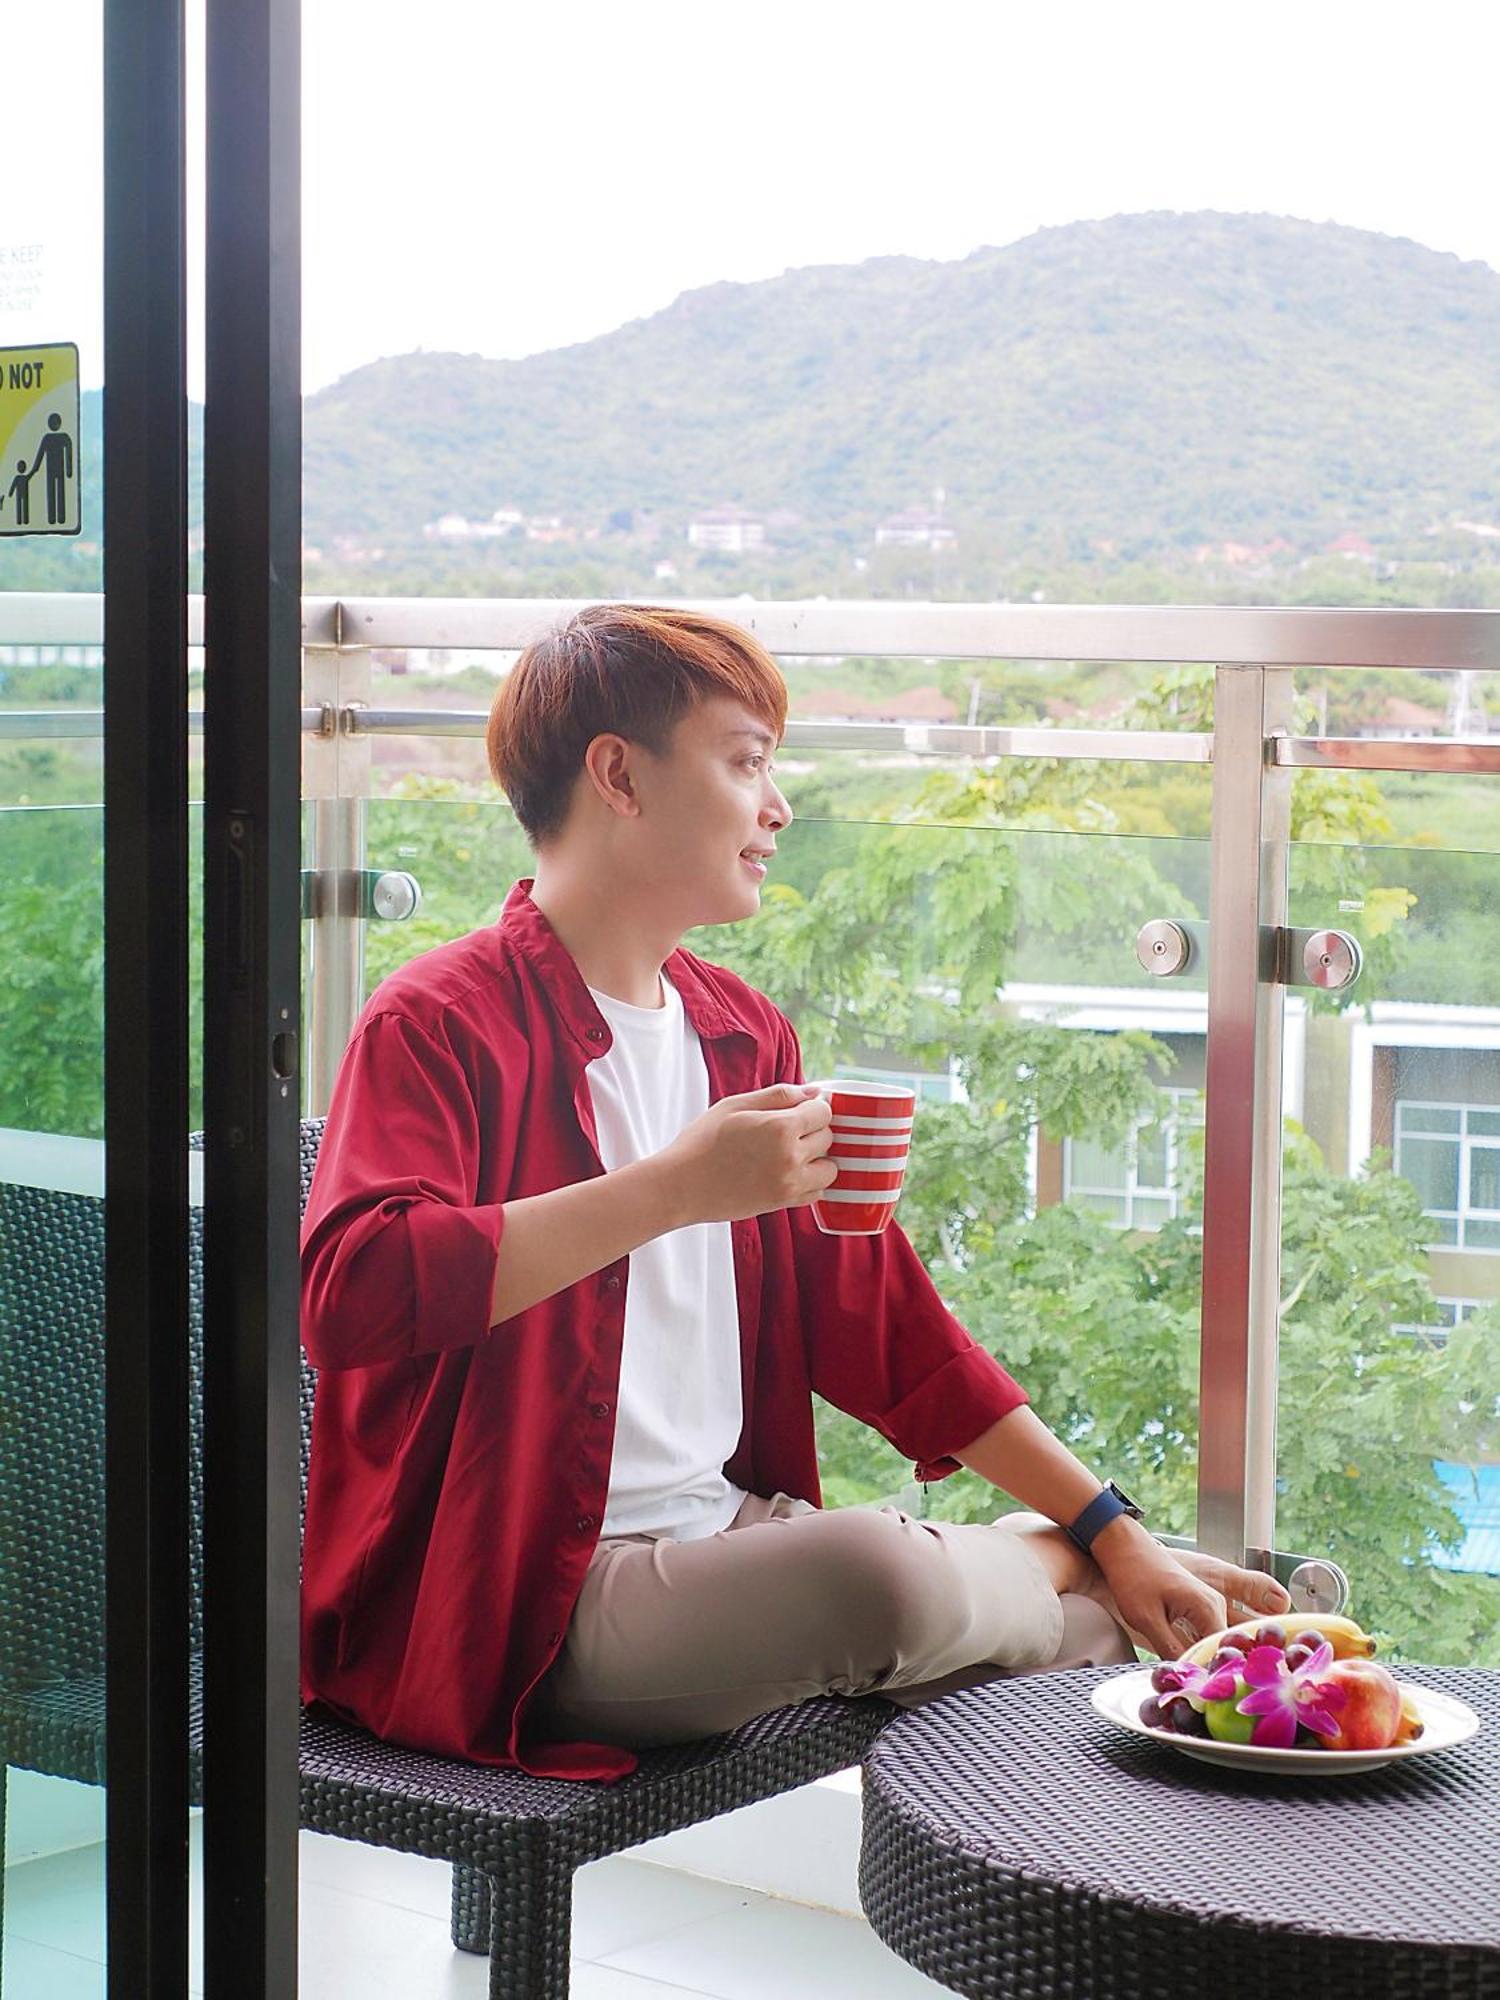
1102	1509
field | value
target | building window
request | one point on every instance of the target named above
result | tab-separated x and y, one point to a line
1140	1184
1449	1314
1451	1155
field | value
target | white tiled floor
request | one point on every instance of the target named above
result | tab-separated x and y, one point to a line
374	1926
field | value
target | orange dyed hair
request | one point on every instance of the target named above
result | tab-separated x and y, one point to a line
628	670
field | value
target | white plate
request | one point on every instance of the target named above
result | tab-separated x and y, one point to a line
1447	1721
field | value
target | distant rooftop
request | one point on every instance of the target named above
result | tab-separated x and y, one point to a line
918	704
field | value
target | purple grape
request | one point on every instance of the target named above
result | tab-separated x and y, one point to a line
1238	1642
1227	1656
1312	1640
1298	1655
1271	1635
1165	1678
1152	1713
1189	1722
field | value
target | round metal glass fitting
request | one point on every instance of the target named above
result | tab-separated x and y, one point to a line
1332	960
395	896
1318	1586
1163	948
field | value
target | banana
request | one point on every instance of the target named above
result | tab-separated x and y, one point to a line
1411	1725
1348	1640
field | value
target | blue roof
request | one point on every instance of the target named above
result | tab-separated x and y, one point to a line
1475	1493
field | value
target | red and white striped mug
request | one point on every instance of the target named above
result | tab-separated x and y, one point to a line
871	1140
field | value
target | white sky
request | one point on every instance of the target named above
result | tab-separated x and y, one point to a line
501	178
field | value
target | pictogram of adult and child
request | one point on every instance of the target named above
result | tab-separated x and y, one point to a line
54	456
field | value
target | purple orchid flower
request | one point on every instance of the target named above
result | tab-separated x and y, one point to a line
1282	1697
1204	1683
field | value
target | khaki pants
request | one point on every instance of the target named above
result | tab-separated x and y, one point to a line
670	1641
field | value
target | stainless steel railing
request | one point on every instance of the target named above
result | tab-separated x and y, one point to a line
1227	635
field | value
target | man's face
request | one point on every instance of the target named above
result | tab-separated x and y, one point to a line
710	816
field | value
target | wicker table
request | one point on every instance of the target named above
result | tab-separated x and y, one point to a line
1017	1844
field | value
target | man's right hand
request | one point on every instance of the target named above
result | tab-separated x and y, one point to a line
751	1154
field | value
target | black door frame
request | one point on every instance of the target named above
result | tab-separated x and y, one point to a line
146	999
252	450
252	539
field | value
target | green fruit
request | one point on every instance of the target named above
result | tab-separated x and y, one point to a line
1225	1723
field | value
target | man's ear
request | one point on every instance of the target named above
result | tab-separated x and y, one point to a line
608	767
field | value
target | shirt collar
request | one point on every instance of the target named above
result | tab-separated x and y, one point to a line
528	930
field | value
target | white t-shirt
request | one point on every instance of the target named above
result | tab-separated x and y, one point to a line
680	1408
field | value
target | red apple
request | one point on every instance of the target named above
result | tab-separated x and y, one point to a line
1370	1718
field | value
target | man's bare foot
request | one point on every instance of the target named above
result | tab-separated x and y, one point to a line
1248	1593
1067	1567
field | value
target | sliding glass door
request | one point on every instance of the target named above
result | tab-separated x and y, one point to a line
148	1331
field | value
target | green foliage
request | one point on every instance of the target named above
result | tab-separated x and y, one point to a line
1338	821
1365	1408
1103	1329
1337	817
52	948
465	853
898	942
1108	1355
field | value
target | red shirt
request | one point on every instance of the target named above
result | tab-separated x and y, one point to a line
458	1472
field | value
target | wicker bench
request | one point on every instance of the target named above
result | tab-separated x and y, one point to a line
513	1840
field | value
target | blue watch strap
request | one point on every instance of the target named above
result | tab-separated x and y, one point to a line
1101	1510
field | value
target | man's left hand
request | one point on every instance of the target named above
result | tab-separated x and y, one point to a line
1168	1599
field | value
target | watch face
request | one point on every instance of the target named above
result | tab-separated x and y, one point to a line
1125	1500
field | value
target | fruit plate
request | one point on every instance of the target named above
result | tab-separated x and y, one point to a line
1446	1721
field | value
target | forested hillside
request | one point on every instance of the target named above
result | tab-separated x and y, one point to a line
1151	381
1107	398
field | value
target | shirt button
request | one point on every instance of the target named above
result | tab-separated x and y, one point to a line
554	1638
596	1034
611	1284
599	1409
584	1523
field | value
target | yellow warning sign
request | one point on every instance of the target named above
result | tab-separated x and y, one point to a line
40	474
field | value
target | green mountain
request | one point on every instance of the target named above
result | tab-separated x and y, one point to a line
1117	391
1152	381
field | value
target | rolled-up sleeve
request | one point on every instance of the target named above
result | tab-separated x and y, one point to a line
882	1346
398	1257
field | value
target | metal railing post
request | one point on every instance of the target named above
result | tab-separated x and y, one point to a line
335	785
1242	1123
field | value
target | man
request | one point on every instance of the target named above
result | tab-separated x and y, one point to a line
55	453
570	1306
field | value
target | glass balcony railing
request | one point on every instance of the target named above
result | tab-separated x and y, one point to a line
1387	1444
1239	1232
52	948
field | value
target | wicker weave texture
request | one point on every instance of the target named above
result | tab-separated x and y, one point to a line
1017	1844
356	1786
51	1436
514	1840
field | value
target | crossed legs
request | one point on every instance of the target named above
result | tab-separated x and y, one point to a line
671	1641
